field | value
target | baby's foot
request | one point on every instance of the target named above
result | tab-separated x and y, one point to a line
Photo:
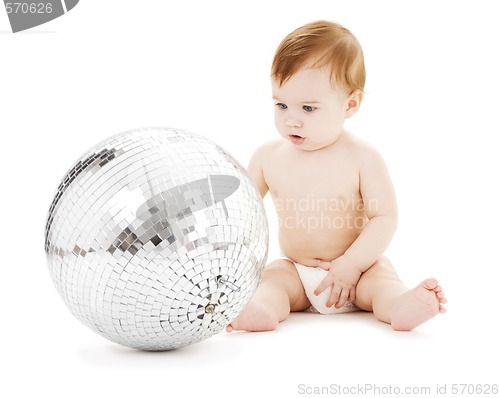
255	317
418	305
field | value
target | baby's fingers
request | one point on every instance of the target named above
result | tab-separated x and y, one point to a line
335	296
352	295
344	297
323	264
324	285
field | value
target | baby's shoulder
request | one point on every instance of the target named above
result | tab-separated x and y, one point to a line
361	150
269	148
262	155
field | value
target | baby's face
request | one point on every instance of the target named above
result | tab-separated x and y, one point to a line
309	110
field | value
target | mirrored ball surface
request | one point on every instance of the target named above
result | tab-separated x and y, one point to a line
156	238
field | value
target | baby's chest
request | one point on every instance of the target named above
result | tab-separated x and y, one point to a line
296	181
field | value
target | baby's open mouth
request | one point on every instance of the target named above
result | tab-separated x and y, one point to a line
296	139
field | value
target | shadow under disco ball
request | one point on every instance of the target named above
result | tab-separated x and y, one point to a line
156	238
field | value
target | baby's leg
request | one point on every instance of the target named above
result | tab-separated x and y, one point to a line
380	290
280	291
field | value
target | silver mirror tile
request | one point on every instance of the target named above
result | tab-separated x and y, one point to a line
156	238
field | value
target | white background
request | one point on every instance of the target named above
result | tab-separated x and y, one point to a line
431	107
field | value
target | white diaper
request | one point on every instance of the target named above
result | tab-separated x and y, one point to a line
311	277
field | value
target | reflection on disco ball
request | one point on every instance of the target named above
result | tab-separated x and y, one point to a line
156	238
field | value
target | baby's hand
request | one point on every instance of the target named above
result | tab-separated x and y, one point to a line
343	276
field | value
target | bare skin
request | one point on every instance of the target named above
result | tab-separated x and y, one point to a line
336	209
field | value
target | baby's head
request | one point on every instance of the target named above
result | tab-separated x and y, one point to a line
318	77
321	44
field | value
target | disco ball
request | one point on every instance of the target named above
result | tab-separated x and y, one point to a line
156	238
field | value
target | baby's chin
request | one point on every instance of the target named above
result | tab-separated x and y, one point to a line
310	146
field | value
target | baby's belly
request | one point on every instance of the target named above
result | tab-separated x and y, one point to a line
305	237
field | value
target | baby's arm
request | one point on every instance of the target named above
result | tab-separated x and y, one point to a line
381	209
255	169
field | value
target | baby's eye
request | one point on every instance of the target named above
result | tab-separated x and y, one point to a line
281	105
308	108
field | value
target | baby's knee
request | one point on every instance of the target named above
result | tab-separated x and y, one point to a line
375	278
381	268
283	274
280	268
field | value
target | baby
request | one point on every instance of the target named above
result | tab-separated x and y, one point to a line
334	199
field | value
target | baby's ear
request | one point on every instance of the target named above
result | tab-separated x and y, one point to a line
353	103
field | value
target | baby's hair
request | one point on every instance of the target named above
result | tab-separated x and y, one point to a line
323	44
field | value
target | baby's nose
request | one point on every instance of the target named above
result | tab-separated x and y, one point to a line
293	122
